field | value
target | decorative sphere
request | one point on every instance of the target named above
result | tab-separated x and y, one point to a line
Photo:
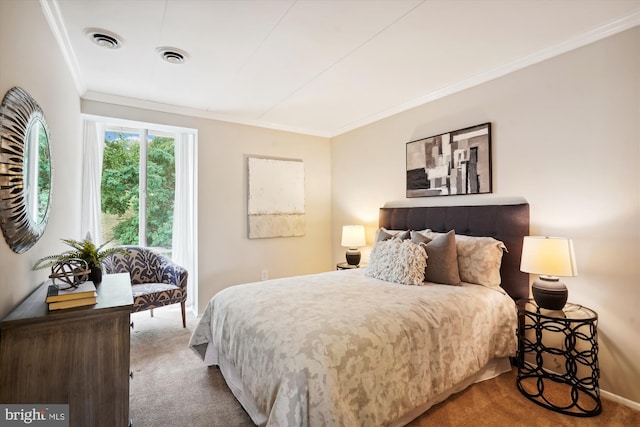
72	271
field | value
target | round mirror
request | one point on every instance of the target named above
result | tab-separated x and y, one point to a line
25	170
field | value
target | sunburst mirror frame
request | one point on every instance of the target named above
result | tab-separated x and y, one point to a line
25	170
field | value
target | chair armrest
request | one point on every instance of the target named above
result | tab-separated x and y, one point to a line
170	272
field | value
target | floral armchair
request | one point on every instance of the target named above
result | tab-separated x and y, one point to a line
156	280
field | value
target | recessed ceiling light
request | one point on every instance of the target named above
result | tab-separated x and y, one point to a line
173	55
104	38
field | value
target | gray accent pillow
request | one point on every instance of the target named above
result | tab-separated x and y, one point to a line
383	234
442	257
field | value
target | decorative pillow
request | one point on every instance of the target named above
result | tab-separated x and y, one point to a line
442	257
479	259
383	234
399	261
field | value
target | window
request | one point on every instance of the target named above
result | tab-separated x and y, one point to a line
138	187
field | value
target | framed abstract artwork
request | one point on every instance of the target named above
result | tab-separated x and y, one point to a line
276	199
452	163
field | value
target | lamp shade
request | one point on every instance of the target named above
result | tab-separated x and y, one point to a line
549	256
353	236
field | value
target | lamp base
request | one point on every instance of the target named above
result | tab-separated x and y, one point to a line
549	293
353	256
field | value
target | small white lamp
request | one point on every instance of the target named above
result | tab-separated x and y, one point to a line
549	257
352	238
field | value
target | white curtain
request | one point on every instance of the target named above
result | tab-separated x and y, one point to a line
91	179
185	207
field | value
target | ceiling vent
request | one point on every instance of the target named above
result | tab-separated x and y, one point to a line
173	55
104	38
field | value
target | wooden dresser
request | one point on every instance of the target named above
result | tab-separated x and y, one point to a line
77	356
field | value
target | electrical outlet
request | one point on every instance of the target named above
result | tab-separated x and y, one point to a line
264	275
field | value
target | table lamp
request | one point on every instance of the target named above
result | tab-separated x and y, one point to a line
549	257
352	238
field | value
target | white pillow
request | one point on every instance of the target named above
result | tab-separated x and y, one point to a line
398	261
479	259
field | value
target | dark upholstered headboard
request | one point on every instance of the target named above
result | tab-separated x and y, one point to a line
508	223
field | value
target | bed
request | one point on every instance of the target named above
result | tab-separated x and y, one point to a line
348	348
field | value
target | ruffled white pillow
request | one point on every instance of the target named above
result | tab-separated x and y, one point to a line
398	261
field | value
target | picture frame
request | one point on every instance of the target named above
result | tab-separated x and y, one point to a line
450	164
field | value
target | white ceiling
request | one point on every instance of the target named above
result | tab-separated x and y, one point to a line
320	67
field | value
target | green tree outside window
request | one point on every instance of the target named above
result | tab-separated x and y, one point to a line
120	189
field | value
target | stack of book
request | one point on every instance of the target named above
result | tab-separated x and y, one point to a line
84	294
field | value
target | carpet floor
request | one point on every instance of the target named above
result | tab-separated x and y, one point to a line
172	387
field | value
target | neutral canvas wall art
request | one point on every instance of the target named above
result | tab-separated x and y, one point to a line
275	197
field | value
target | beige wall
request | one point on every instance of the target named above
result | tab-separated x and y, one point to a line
225	255
30	58
565	137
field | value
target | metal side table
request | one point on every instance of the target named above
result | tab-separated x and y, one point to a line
558	358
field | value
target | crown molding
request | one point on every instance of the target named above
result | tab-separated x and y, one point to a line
52	14
195	112
609	29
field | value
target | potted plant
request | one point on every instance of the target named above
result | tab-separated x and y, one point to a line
82	249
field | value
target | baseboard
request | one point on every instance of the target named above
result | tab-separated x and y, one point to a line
621	400
603	393
193	311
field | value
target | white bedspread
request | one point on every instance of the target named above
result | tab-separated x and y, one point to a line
342	349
